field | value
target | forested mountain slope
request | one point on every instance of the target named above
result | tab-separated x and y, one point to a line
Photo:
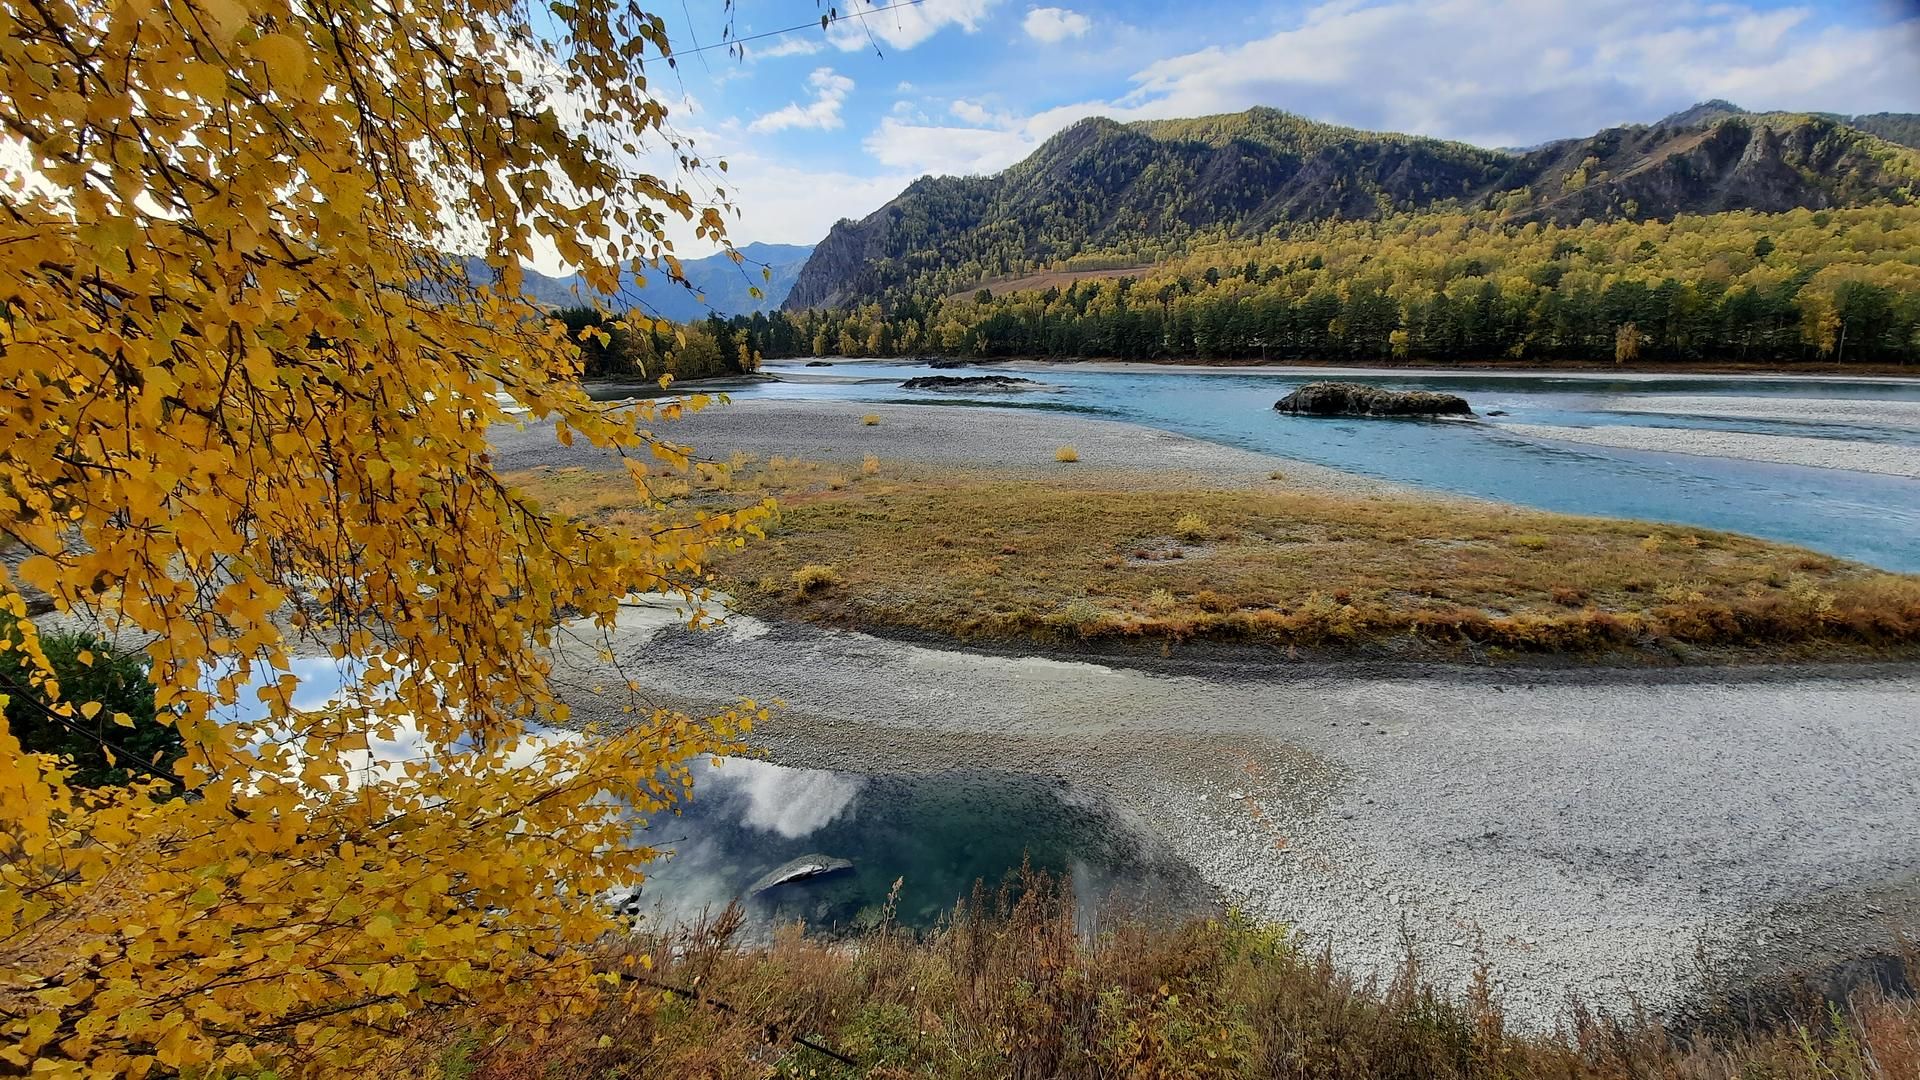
1103	193
1737	286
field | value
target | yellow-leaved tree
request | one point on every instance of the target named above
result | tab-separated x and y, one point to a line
244	412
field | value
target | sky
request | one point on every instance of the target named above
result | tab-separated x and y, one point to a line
817	125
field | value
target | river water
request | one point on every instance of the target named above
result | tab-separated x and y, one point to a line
1865	516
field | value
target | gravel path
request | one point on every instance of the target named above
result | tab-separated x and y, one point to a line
1593	834
1854	454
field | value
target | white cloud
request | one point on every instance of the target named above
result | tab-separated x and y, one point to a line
1519	71
1493	72
972	112
945	151
904	27
1052	24
823	112
793	46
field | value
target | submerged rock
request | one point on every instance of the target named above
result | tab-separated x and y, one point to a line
801	869
966	382
819	363
1354	399
937	362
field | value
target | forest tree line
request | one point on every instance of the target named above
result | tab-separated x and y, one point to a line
1839	285
613	347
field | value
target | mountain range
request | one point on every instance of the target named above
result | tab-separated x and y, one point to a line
1113	194
720	285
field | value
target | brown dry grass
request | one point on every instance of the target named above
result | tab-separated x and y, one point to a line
972	554
1013	988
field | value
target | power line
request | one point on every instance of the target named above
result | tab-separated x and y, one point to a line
802	26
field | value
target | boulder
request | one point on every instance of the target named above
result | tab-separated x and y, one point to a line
1355	399
967	382
804	868
818	363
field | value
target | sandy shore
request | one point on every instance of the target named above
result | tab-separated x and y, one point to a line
1010	440
1853	454
1898	414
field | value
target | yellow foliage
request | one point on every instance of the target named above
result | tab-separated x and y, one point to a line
814	576
1066	453
244	403
871	419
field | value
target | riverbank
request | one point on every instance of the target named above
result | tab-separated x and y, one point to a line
1015	442
965	524
1619	836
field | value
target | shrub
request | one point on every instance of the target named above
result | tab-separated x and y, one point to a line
88	670
1531	542
1081	614
1161	601
1192	528
814	577
870	465
871	419
1066	453
1217	603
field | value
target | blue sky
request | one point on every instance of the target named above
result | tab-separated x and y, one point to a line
819	125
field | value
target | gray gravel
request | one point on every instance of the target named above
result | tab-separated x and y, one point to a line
1591	834
1017	440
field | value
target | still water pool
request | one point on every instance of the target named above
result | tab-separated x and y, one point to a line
935	834
1872	518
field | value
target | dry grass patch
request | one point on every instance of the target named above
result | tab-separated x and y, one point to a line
1012	986
974	554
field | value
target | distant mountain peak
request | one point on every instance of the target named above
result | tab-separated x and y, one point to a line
1704	113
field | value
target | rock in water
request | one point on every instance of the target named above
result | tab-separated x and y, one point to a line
800	869
966	382
1354	399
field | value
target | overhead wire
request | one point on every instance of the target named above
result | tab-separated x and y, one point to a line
698	48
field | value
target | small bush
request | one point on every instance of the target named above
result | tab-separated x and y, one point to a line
1217	603
1066	453
871	419
1192	528
1532	542
870	466
1161	601
1081	614
89	670
814	577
